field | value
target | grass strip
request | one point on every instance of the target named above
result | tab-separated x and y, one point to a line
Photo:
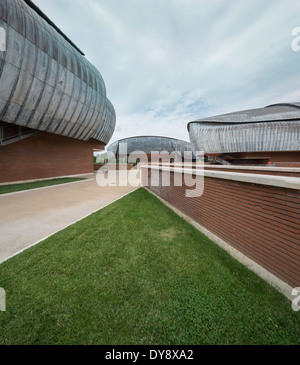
5	189
137	273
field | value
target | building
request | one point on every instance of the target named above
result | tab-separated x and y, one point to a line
53	107
154	147
269	135
253	212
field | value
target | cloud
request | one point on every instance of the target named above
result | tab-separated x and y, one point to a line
168	62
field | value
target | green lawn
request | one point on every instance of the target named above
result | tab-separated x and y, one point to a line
4	189
136	273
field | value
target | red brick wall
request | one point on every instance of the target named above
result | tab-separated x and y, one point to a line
46	155
262	222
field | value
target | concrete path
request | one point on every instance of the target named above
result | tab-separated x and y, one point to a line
30	216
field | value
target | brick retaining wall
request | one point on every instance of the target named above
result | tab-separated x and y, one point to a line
260	221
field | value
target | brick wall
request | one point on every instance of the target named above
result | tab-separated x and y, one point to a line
282	158
262	222
46	155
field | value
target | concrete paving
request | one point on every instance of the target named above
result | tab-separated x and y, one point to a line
30	216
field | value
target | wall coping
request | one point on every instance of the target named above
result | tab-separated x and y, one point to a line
260	179
236	167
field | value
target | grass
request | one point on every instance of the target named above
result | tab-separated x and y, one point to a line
4	189
136	273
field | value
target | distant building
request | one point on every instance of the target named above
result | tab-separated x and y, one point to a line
154	147
53	107
269	135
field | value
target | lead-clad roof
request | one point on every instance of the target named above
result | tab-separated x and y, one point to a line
46	83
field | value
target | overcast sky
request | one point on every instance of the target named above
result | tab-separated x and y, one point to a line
168	62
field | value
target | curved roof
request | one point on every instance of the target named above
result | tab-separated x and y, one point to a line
46	83
148	144
273	128
271	113
104	130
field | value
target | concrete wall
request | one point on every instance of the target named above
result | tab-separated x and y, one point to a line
46	155
249	213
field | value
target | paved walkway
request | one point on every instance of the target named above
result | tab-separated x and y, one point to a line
30	216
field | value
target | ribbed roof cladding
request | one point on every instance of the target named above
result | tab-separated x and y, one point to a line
271	113
149	144
273	128
46	84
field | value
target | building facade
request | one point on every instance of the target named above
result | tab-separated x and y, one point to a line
154	148
53	107
269	135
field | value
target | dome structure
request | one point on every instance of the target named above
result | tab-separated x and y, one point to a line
272	130
54	111
151	145
46	83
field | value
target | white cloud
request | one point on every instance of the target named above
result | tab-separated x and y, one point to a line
167	62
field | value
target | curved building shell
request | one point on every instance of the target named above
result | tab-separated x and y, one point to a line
46	83
49	92
275	128
151	144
